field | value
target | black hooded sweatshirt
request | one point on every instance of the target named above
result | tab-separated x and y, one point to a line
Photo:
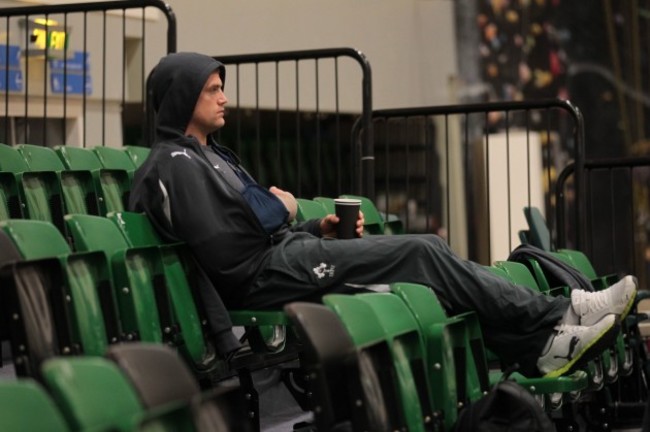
188	200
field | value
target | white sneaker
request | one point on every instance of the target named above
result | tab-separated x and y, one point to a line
617	299
573	343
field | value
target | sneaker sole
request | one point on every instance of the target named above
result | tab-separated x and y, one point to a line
606	338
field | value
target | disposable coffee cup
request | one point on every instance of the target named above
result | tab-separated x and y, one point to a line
347	210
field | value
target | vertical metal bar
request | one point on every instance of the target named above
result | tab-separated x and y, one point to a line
85	75
429	149
407	150
528	161
467	177
508	179
124	60
26	80
45	61
588	204
579	174
448	222
144	53
549	178
104	78
238	139
633	224
636	70
487	182
319	147
298	147
278	155
65	81
258	125
7	121
339	171
367	160
612	212
386	165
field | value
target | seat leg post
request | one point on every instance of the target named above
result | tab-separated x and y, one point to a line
251	399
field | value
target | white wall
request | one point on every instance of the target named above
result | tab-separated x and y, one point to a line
409	43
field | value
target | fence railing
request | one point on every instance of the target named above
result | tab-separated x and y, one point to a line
616	219
75	73
290	117
467	171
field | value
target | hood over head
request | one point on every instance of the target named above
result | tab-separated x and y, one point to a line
175	85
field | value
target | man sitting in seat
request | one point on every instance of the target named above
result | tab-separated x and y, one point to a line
195	190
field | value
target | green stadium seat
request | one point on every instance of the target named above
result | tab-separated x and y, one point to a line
366	329
327	203
540	236
40	158
344	381
160	378
461	374
138	154
77	186
11	160
519	274
407	345
86	288
429	313
374	222
38	192
112	185
78	157
149	308
138	278
26	406
139	232
42	196
93	394
308	209
265	328
114	158
538	233
628	348
10	207
32	294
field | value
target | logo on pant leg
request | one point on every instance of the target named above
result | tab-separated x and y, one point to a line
321	271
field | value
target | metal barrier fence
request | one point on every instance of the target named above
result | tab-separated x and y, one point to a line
290	117
75	73
616	221
466	171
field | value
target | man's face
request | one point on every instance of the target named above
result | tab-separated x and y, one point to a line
210	106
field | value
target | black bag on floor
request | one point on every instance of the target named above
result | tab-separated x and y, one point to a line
507	407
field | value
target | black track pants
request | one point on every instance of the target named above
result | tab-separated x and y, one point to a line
516	321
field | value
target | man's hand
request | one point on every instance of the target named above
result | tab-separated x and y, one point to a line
328	225
288	200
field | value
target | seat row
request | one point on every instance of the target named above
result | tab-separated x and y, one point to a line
122	284
45	183
119	283
376	222
109	292
627	368
134	387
